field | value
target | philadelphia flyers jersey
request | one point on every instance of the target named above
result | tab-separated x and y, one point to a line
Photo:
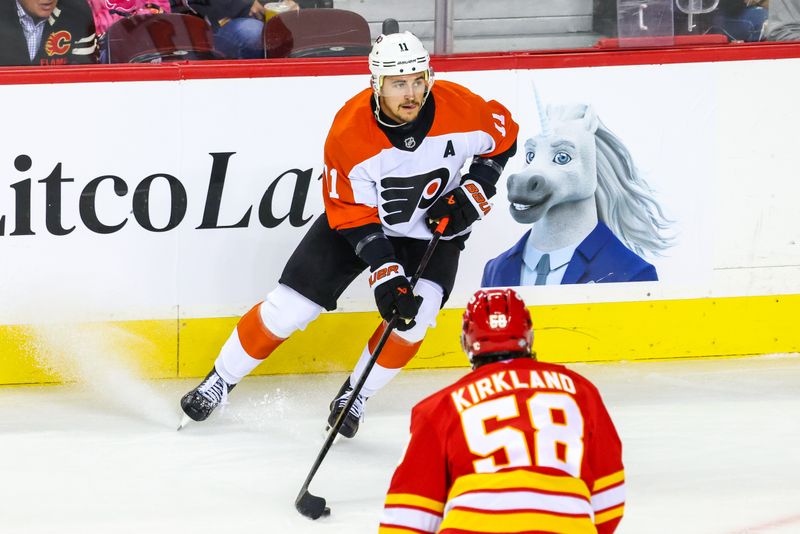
369	180
514	447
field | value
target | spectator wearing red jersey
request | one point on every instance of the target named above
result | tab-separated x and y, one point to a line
515	446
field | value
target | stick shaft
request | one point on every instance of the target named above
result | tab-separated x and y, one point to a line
437	234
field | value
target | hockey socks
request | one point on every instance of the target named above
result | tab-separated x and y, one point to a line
396	353
261	330
248	345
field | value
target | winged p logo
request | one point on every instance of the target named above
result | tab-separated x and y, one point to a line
402	195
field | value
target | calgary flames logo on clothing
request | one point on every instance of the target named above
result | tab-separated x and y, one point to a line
58	43
403	195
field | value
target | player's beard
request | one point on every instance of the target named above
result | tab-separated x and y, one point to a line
403	114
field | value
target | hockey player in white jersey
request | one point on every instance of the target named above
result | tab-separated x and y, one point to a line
393	160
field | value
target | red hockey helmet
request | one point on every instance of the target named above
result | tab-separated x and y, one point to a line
496	321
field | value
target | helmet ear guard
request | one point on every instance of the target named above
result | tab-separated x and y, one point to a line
429	78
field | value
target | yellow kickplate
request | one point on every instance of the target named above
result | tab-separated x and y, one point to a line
567	333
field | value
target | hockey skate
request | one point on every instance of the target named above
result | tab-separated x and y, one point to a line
353	417
202	400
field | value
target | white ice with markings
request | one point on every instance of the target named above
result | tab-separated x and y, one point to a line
710	447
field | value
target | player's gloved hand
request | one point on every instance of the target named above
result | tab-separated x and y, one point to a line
393	295
464	205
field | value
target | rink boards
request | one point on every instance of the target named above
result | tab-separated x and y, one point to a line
148	242
564	333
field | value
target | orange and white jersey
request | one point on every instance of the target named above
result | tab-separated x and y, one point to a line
513	447
368	180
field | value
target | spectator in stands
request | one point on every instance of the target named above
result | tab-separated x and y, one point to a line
784	20
237	24
740	20
107	12
46	32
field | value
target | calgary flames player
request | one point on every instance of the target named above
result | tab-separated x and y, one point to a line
515	446
393	168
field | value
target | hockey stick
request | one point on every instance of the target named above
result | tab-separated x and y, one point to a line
310	505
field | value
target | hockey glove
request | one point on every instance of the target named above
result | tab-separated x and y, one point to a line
464	205
393	295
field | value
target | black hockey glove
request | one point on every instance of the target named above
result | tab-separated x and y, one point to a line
393	295
464	205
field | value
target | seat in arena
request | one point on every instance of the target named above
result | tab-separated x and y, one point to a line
317	33
160	38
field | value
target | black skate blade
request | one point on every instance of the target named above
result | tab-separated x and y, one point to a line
311	506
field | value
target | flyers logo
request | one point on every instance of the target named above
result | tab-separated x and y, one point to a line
403	195
58	43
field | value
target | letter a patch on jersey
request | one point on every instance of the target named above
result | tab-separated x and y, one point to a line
449	150
403	195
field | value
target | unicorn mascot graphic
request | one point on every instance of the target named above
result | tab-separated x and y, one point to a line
593	216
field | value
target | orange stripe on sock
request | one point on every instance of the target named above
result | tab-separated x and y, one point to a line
255	337
397	352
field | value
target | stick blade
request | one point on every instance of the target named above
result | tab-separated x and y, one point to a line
311	506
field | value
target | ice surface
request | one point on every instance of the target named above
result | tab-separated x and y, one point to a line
710	447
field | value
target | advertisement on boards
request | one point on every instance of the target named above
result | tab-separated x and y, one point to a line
160	199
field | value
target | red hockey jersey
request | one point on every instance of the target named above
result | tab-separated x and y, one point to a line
368	180
513	447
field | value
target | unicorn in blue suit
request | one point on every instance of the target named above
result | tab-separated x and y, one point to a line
593	215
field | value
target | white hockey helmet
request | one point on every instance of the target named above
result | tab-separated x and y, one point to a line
396	54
